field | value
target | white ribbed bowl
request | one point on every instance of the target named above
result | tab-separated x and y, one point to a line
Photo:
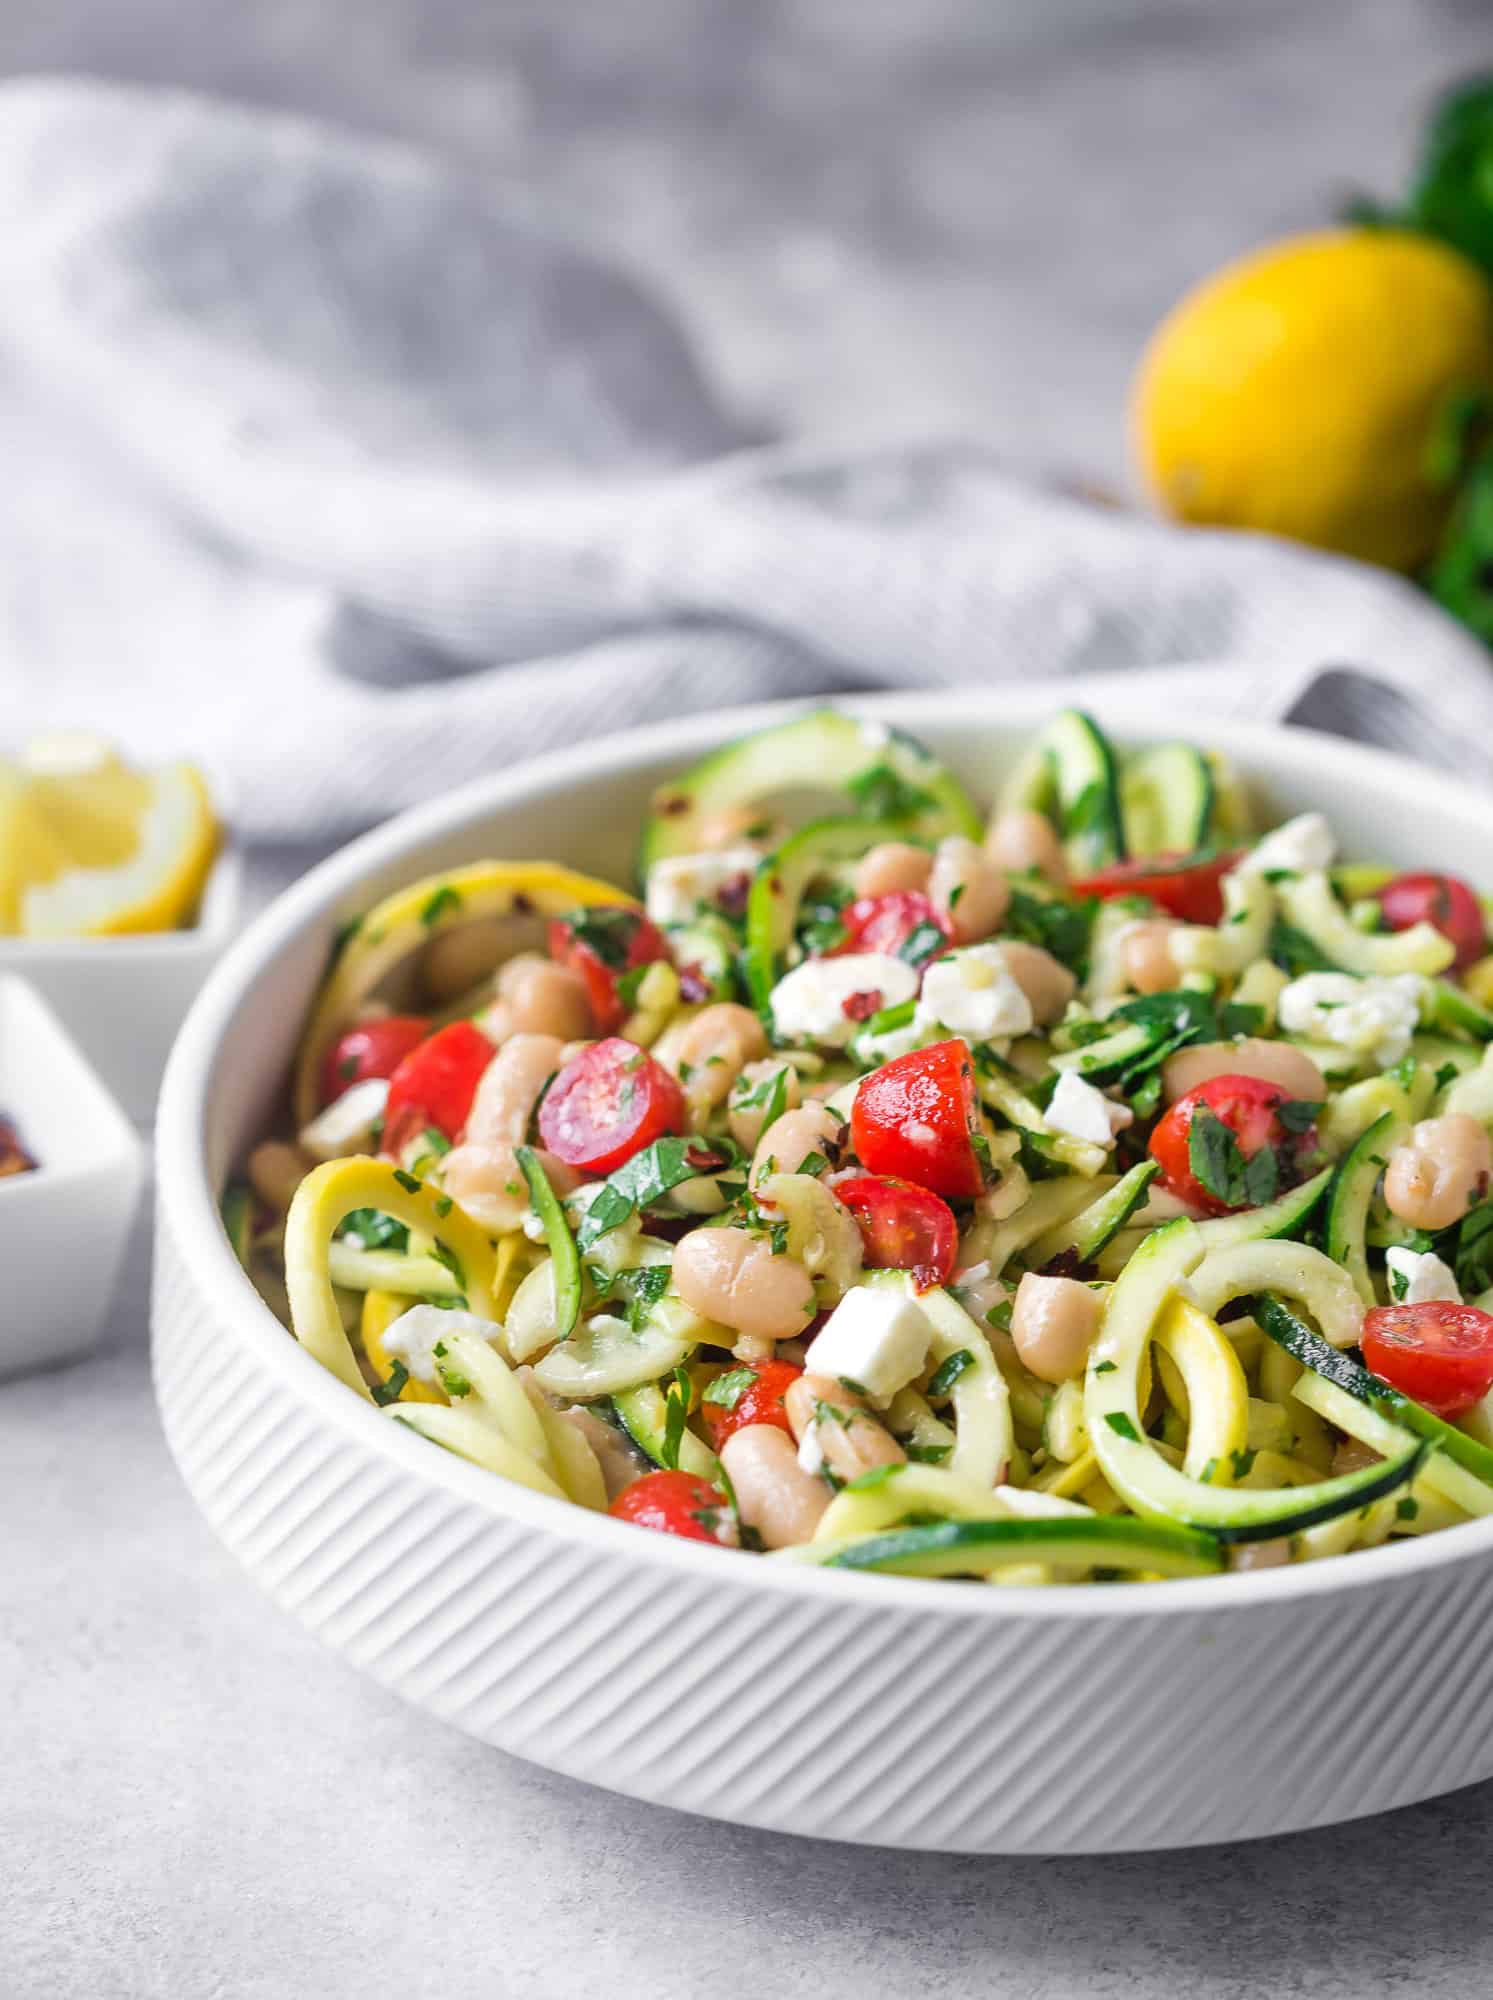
904	1712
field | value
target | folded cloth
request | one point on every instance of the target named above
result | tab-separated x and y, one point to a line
359	479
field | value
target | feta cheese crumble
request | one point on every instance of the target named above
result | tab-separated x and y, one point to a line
808	1003
1303	846
1373	1017
415	1335
678	885
1083	1112
1416	1276
349	1121
876	1339
971	993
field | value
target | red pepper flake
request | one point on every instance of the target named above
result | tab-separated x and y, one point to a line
861	1006
732	894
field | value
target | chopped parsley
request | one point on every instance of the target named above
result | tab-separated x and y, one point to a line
384	1393
1121	1425
949	1370
1219	1165
727	1390
880	793
440	904
648	1176
374	1230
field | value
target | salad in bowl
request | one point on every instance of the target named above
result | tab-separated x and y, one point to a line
1096	1188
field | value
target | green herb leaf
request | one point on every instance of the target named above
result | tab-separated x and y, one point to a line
676	1410
949	1370
1218	1164
881	793
607	930
1060	926
387	1392
648	1176
727	1390
441	903
374	1230
1121	1425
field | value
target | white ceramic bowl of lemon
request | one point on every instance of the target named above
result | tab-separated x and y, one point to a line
899	1711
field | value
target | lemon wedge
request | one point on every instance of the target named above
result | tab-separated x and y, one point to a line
90	847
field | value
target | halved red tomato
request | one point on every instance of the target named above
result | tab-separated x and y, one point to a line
435	1085
601	943
606	1105
1250	1108
885	923
677	1503
1188	886
1444	901
903	1228
730	1404
372	1048
917	1118
1439	1353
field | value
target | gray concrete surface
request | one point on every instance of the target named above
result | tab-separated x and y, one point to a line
930	215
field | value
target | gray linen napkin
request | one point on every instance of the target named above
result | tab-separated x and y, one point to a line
360	479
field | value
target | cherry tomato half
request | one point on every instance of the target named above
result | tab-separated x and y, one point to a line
606	1105
1444	901
1248	1105
373	1048
435	1085
601	943
1184	885
759	1401
917	1117
1439	1353
677	1503
885	923
903	1228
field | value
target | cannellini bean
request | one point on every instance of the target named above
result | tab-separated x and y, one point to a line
893	866
711	1051
276	1169
1442	1171
1351	1455
774	1494
1273	1062
1045	980
756	1082
488	1183
456	960
542	998
482	1174
849	1438
734	1278
1021	841
1261	1555
509	1089
1053	1323
1146	956
789	1141
967	889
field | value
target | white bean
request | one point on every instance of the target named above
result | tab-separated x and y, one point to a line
1053	1323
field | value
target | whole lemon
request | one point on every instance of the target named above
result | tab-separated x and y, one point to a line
1298	391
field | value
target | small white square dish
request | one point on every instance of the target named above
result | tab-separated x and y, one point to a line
122	999
63	1224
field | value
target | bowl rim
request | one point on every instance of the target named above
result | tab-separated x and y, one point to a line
188	1201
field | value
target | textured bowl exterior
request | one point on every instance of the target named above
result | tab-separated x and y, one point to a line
899	1712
